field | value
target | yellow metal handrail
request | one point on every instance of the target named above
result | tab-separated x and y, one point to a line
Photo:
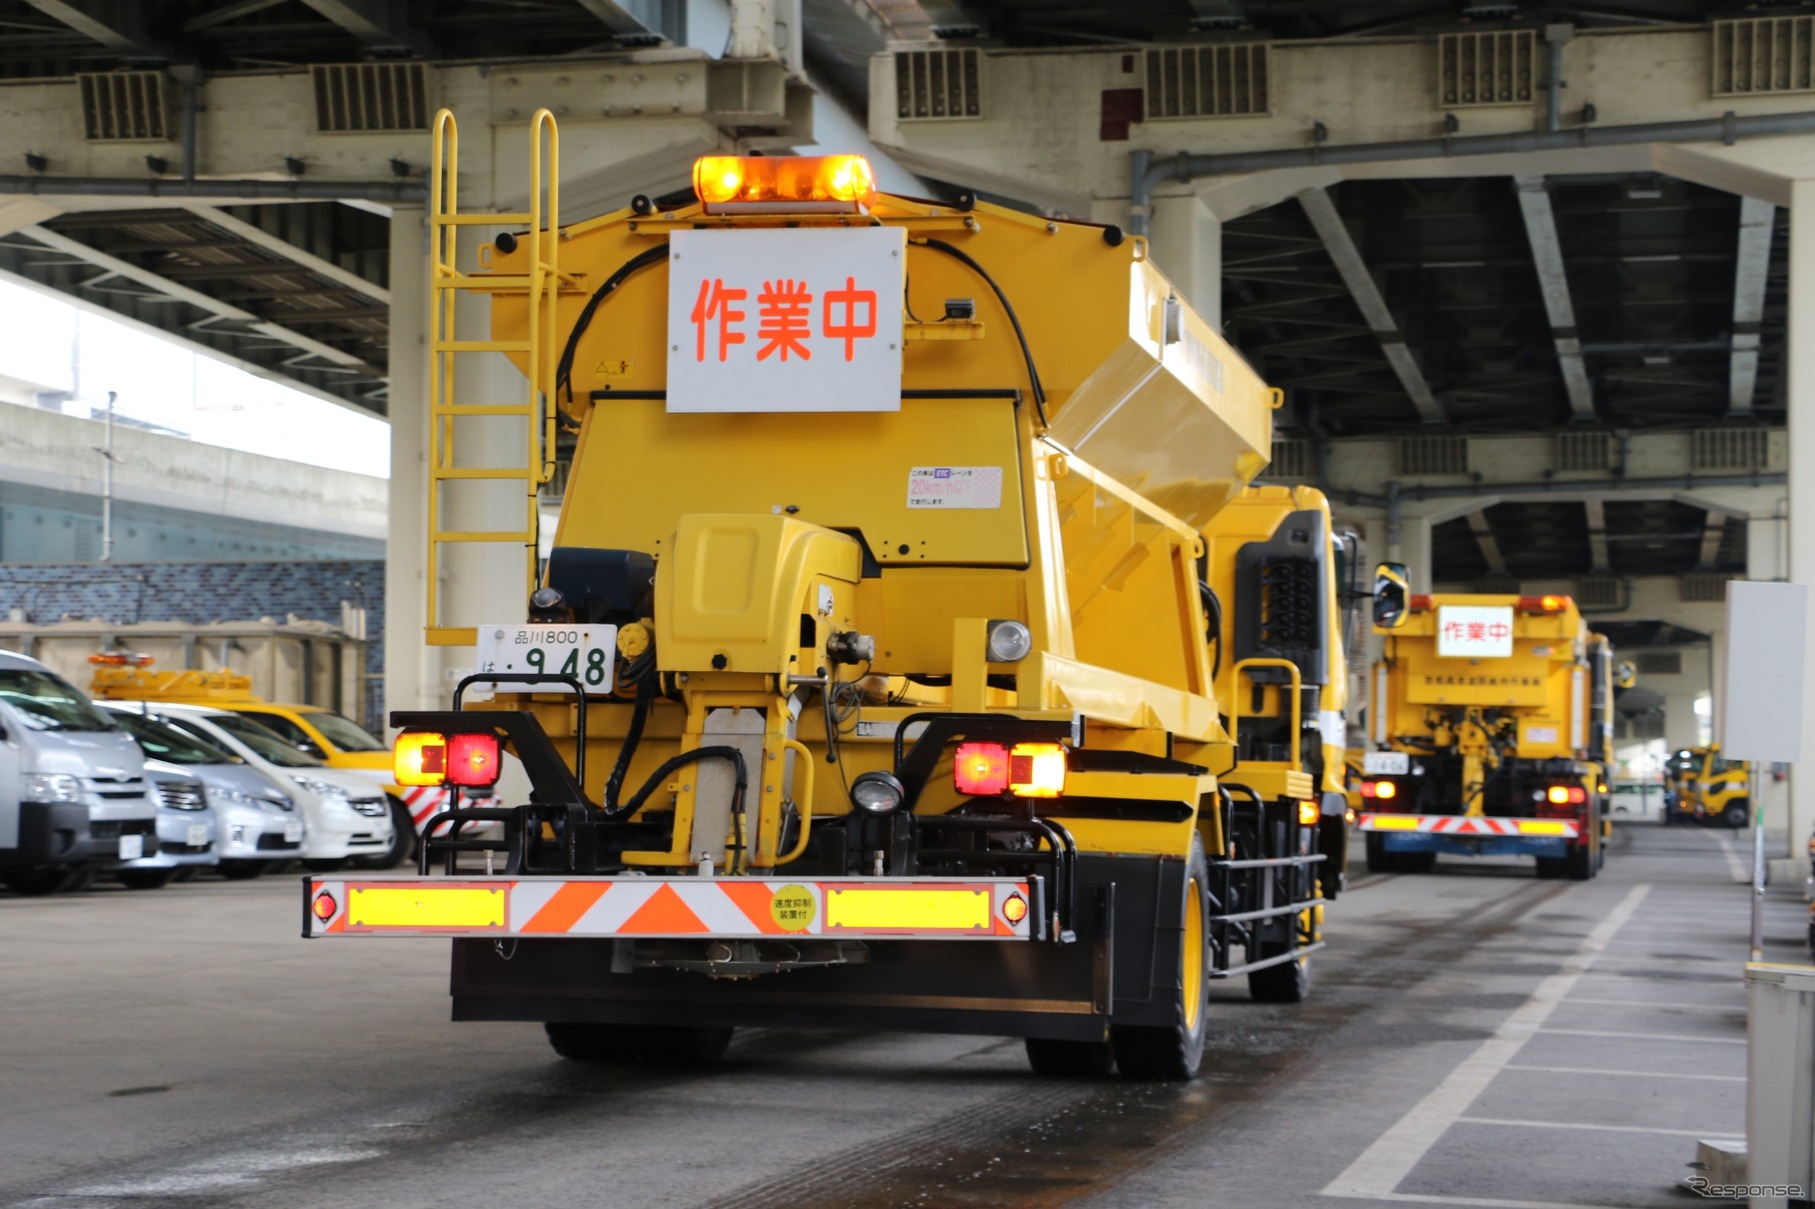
541	284
1235	704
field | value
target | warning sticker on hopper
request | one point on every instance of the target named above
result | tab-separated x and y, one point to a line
955	487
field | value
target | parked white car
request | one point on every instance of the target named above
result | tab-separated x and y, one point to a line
186	829
257	824
347	815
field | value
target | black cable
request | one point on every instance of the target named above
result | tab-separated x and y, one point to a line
564	368
660	775
1213	605
639	713
1033	375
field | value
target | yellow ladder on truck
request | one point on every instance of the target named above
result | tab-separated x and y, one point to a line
540	350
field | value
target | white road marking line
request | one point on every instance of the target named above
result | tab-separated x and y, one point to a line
1573	1125
1734	863
1671	1006
1382	1166
1636	1074
1588	1032
1482	1202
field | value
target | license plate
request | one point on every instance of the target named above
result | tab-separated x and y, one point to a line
132	847
1386	763
588	653
293	833
198	834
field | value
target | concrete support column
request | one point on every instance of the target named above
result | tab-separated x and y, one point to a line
1187	243
1682	727
1414	550
408	676
1799	344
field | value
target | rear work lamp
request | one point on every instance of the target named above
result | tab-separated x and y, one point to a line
782	181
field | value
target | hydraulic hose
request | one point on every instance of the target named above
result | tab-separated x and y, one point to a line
564	368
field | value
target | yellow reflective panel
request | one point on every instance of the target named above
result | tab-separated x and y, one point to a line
910	907
425	907
1393	822
1543	827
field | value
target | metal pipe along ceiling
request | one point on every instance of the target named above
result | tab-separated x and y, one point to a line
397	192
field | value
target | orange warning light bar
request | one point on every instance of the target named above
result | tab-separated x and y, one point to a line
775	182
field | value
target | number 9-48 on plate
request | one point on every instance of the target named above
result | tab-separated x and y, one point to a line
587	653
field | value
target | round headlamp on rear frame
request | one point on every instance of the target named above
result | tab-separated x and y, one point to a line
1009	641
877	793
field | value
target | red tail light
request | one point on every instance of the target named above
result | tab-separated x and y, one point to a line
1369	789
980	768
473	760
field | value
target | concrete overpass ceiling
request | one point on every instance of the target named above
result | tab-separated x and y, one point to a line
1651	270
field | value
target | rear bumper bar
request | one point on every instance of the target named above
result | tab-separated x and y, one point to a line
694	908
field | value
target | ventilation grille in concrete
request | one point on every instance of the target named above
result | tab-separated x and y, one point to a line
1658	663
1703	587
1291	460
1758	56
124	105
1583	450
1433	455
1223	81
935	85
1730	449
1599	592
352	97
1485	68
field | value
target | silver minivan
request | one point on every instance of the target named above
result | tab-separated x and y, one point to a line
73	795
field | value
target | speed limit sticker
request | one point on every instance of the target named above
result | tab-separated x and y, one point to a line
588	653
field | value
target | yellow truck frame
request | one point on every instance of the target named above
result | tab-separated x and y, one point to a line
1501	754
836	760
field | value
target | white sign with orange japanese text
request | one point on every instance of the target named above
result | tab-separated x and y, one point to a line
1474	631
785	320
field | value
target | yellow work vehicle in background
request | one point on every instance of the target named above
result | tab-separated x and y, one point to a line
1492	723
1701	786
335	740
872	681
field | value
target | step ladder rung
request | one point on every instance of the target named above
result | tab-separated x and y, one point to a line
483	409
452	635
482	281
479	346
484	220
456	473
482	535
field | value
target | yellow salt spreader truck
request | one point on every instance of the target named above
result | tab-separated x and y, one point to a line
872	679
1492	722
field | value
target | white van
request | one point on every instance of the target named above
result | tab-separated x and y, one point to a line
73	795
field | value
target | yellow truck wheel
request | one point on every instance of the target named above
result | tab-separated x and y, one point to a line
1170	1054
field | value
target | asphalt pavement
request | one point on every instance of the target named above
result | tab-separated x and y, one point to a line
1475	1037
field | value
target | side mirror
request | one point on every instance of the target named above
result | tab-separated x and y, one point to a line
1625	675
1392	595
311	749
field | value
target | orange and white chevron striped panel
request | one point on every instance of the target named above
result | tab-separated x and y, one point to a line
703	907
1462	824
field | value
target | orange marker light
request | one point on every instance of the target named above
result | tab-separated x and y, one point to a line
1036	770
325	906
1308	814
1557	795
1014	909
1386	789
727	180
420	758
472	760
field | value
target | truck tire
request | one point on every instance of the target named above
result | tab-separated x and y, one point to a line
1070	1059
145	879
672	1045
1737	813
1579	865
1287	982
403	840
1151	1054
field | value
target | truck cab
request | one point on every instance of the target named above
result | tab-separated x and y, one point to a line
73	793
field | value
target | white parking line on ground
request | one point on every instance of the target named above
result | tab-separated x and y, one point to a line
1636	1074
1579	1125
1483	1202
1379	1169
1671	1006
1731	851
1588	1032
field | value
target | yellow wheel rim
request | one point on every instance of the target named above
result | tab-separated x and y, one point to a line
1194	952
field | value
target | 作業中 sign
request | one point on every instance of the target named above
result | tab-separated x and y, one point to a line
1474	631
